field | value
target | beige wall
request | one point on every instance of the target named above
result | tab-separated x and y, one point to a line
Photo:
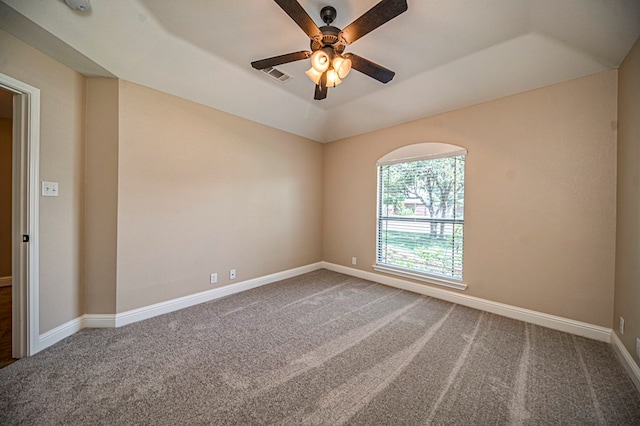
540	196
627	285
202	191
198	191
6	142
62	92
101	195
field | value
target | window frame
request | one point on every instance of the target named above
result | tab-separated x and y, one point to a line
406	154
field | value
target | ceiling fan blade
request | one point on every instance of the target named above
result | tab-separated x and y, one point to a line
379	14
320	93
282	59
300	16
321	89
369	68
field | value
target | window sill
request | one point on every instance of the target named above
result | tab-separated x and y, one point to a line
458	285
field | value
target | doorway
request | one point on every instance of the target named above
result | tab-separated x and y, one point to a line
23	104
6	209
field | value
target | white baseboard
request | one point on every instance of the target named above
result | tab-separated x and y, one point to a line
550	321
55	335
117	320
627	360
151	311
69	328
99	321
5	281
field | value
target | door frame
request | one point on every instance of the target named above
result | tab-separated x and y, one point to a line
25	178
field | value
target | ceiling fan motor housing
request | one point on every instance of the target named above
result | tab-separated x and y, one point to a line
329	32
328	14
329	38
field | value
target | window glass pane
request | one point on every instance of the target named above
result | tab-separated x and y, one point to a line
421	216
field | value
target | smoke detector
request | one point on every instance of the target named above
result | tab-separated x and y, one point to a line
79	5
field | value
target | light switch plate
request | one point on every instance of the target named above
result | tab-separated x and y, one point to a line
49	189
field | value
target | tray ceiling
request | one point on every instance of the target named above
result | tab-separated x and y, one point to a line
446	53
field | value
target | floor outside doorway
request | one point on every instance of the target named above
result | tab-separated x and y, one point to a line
5	327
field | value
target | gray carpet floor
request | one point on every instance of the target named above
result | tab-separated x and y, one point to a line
322	348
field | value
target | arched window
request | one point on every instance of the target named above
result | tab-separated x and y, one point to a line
421	212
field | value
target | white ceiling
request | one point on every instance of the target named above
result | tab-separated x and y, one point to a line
446	53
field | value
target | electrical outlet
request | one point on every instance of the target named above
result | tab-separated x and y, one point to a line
232	274
354	260
621	325
214	278
638	347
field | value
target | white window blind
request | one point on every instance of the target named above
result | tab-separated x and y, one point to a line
421	214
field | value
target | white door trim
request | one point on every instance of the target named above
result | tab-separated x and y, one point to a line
26	160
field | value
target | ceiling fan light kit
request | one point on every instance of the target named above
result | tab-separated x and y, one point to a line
342	65
314	75
321	58
332	78
328	64
327	60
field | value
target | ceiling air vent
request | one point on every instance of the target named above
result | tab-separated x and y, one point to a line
276	74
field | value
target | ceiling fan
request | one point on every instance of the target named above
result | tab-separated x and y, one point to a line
329	65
